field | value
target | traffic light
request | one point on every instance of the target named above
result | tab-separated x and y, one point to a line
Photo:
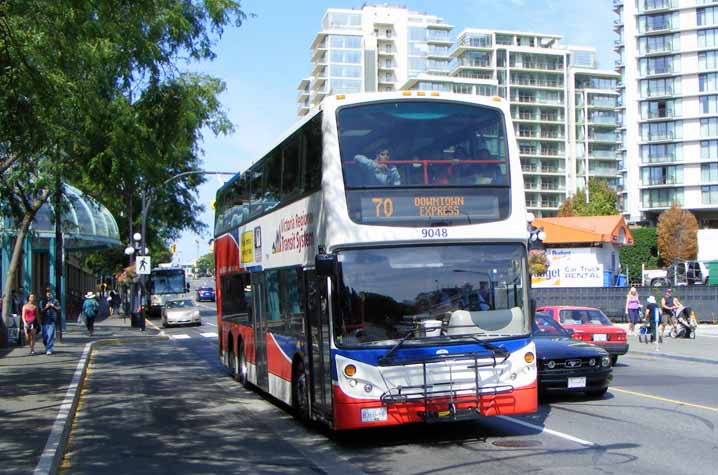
173	248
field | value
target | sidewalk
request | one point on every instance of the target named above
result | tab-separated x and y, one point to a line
702	349
33	388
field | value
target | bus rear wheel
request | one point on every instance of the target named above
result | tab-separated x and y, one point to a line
300	396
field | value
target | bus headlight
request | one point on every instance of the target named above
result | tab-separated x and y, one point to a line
529	357
350	370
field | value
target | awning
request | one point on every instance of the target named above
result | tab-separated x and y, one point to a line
86	224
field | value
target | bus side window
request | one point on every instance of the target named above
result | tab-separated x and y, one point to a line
291	168
272	292
313	154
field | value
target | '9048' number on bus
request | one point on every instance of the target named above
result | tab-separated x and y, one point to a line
434	233
384	207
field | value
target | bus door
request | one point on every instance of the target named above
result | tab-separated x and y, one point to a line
318	344
260	329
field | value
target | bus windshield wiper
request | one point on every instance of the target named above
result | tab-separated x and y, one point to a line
477	337
389	354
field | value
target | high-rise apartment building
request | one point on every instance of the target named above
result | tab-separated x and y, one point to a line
563	107
668	59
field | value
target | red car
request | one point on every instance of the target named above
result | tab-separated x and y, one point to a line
590	324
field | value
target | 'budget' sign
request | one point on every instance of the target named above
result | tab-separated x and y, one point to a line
570	268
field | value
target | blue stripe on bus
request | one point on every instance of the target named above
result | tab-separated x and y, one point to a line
371	356
288	344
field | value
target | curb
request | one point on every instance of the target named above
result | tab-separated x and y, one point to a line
54	451
674	357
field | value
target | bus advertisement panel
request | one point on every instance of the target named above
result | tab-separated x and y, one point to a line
385	290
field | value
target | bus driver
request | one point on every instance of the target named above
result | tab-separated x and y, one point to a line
384	173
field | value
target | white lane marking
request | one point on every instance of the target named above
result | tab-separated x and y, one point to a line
181	336
209	334
210	324
55	446
549	431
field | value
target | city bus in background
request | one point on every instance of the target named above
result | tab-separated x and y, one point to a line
165	282
371	266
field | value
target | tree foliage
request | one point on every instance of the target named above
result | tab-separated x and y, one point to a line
91	92
677	235
205	263
643	252
602	200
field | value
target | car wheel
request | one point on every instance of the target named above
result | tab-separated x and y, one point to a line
598	393
300	399
614	360
693	334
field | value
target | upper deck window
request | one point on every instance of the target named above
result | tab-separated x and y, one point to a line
422	144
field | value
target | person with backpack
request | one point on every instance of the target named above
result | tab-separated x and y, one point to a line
50	312
653	315
90	308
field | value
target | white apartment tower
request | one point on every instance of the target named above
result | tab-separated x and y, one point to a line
563	107
668	59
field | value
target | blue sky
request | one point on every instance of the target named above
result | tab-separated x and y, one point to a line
262	62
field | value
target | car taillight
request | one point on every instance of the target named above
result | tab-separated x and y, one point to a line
577	336
621	337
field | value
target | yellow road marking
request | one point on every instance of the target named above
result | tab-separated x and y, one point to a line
149	322
664	399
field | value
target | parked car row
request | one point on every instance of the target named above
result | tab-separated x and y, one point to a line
576	349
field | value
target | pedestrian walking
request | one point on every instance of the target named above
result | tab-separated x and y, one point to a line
50	311
110	307
633	303
30	321
653	315
669	305
90	307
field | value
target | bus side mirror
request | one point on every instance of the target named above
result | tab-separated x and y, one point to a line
325	264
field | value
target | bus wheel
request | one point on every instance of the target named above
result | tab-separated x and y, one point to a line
241	373
231	363
300	400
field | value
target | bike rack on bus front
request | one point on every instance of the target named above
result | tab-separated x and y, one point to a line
445	393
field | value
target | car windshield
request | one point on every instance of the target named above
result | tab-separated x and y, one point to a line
180	304
418	144
206	289
583	317
430	292
546	326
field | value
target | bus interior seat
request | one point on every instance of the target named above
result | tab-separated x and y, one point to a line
463	322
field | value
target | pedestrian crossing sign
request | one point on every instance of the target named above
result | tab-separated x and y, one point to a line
143	265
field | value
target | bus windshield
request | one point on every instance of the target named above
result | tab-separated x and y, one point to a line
431	293
167	281
422	144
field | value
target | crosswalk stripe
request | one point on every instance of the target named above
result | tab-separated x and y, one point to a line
181	336
209	334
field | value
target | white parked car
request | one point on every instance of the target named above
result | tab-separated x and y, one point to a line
180	311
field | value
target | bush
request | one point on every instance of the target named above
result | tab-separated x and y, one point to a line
643	251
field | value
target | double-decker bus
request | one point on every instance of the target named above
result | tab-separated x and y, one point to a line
371	267
165	283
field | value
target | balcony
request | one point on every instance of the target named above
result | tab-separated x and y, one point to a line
538	66
536	83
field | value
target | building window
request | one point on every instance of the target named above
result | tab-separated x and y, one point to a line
708	82
661	131
706	16
709	172
660	87
658	44
661	198
345	42
709	127
663	21
708	38
709	195
709	104
709	149
659	65
708	60
660	109
345	57
662	175
660	153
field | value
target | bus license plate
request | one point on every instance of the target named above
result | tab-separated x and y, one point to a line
599	337
576	382
433	233
373	414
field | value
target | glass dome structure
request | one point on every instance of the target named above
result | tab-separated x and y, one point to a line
86	224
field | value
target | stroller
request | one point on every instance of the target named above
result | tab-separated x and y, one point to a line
685	323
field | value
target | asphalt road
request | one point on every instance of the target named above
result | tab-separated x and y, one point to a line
169	407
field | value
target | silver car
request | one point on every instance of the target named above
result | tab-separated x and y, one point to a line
180	311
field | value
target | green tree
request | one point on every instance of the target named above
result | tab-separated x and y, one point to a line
67	65
677	235
643	252
602	200
205	263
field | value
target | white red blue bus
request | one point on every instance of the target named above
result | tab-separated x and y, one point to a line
372	266
165	283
